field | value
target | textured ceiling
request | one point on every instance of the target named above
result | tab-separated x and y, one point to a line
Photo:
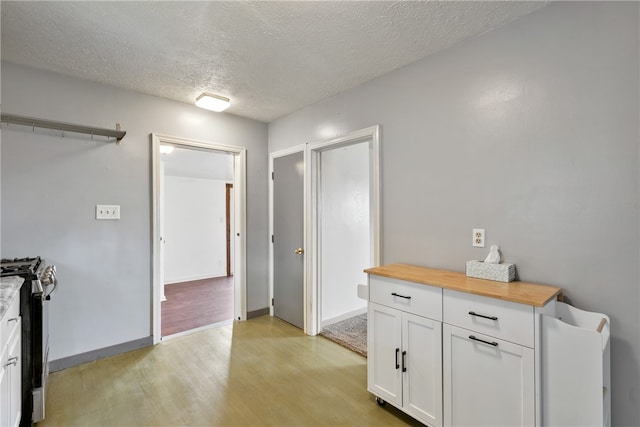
270	58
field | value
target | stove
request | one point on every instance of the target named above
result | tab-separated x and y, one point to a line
39	283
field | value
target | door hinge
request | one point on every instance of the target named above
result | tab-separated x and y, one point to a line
272	301
272	175
272	239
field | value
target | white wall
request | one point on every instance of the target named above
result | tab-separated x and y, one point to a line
531	132
195	229
50	186
344	228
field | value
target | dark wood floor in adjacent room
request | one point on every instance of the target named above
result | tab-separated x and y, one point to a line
198	303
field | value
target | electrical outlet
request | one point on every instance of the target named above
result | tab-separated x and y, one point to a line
478	237
107	211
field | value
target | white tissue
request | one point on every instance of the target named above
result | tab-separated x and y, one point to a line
494	255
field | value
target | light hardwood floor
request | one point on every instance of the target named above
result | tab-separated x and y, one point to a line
262	372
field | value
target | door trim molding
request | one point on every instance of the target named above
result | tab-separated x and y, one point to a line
272	156
311	154
312	178
240	219
227	213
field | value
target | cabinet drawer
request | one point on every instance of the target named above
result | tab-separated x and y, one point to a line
505	320
413	298
9	321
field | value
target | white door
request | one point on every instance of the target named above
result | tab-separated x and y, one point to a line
384	347
422	363
288	238
487	382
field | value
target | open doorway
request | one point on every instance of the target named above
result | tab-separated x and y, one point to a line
199	242
345	229
195	203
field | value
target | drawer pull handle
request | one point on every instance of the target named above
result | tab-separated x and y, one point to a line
12	361
401	296
473	313
13	319
397	364
404	361
493	343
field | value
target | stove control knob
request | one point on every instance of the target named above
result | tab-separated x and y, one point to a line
47	278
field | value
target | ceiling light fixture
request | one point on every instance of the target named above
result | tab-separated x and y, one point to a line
166	149
213	102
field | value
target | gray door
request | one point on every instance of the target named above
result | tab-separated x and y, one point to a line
288	224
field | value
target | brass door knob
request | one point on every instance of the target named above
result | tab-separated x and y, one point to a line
299	251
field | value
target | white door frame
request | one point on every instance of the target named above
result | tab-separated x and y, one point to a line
240	220
272	157
312	171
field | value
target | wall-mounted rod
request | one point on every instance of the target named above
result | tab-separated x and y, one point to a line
50	124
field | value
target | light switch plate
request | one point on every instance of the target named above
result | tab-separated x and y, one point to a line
107	211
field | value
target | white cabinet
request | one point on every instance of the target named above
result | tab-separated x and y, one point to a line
575	350
5	399
11	366
489	371
487	381
405	349
384	343
422	368
471	347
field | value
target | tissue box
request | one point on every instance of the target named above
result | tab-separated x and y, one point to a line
499	272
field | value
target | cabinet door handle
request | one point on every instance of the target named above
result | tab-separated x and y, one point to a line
493	343
13	319
473	313
397	353
12	361
404	361
401	296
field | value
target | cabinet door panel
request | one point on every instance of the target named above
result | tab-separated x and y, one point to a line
14	371
484	384
383	351
422	381
5	389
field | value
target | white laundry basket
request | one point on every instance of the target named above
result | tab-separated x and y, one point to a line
575	368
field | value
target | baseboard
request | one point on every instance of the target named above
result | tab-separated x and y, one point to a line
257	313
92	356
344	316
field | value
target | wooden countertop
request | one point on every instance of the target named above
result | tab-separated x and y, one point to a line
520	292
